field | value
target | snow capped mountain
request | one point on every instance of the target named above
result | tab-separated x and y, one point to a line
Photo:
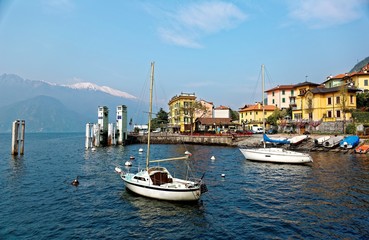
105	89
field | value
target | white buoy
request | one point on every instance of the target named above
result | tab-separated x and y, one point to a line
212	158
140	150
187	153
128	163
118	170
93	149
223	175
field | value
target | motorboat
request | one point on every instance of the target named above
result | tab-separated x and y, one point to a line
349	142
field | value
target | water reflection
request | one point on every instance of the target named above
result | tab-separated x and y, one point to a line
174	218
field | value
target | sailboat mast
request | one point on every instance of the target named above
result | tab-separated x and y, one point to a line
262	100
150	116
262	94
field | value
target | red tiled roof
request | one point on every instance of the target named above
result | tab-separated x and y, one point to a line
222	108
280	87
257	108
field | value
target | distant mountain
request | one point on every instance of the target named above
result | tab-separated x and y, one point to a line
77	103
41	114
360	65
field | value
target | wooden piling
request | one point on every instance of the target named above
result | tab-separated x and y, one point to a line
18	137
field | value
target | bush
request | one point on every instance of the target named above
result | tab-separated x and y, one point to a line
350	128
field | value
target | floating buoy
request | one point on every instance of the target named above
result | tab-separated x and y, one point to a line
75	182
118	170
212	158
128	163
187	153
140	150
223	175
131	157
93	149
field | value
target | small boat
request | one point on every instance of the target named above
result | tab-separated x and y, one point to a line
362	149
333	142
297	139
320	141
349	142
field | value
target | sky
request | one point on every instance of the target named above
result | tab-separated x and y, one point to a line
214	49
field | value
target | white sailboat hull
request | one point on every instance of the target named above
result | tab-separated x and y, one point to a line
276	155
177	190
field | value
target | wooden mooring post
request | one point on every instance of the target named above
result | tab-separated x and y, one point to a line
18	131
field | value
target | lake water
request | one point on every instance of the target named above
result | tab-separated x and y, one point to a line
327	199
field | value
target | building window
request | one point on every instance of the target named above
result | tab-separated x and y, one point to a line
329	114
366	82
338	100
283	100
292	92
338	113
329	101
351	99
273	94
283	92
273	101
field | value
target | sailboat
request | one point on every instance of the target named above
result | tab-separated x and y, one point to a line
273	155
156	182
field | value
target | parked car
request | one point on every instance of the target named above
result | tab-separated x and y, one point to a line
272	131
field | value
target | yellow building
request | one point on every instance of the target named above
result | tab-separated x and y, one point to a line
324	103
358	79
299	102
252	115
181	111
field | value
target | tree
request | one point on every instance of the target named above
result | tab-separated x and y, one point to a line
160	120
191	109
362	101
309	105
234	115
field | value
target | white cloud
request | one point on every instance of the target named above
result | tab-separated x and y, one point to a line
188	24
325	13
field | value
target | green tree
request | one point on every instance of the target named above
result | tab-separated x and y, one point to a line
234	115
362	101
160	120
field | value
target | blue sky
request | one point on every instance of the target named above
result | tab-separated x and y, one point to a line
211	48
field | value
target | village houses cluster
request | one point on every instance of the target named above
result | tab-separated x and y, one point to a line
329	101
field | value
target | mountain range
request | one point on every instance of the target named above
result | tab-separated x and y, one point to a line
49	107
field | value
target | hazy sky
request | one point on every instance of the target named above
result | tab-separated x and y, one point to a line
211	48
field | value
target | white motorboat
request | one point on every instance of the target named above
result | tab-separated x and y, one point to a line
320	140
333	142
297	139
156	182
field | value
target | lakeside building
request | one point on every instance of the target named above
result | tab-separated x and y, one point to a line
281	96
222	112
181	112
359	79
252	115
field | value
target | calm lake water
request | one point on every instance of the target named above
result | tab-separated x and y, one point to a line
327	199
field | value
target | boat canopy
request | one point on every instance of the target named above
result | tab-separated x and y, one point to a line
280	141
